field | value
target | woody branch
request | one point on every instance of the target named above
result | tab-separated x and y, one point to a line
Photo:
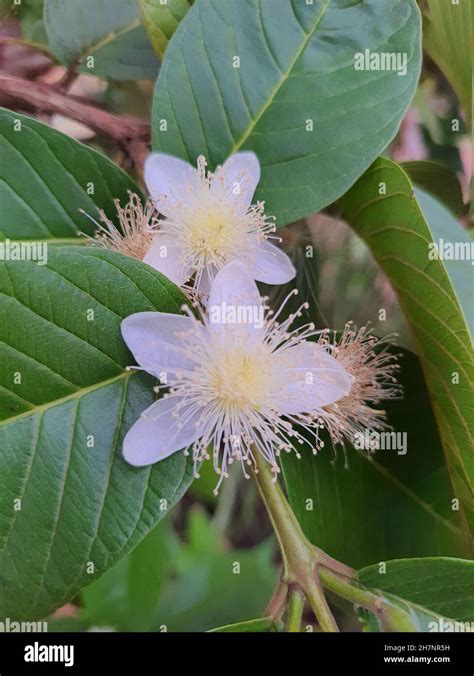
132	133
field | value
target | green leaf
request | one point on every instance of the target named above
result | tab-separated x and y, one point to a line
296	69
364	510
206	592
30	15
444	585
445	228
126	597
447	37
435	296
105	36
161	20
46	177
439	181
260	625
68	500
199	588
298	244
417	618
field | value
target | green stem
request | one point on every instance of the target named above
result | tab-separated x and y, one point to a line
297	552
317	600
392	618
308	569
295	611
295	548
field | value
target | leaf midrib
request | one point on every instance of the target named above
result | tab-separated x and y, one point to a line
69	397
286	74
389	476
110	37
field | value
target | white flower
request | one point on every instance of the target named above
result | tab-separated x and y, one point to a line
209	221
238	385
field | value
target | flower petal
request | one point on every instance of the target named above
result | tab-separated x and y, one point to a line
158	433
155	340
163	255
271	265
241	171
168	179
205	281
235	308
309	378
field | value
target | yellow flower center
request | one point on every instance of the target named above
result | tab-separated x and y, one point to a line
211	233
241	378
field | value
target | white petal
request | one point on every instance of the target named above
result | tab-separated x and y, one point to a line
234	285
242	171
168	176
155	340
205	281
309	378
271	264
164	256
235	308
158	434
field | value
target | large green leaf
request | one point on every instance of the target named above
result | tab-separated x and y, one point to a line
444	585
162	19
47	177
107	30
365	510
435	295
296	69
447	37
67	497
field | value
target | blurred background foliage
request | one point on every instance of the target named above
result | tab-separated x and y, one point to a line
214	562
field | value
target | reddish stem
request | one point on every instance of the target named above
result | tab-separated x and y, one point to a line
131	132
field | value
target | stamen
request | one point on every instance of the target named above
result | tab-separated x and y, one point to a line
372	367
137	228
